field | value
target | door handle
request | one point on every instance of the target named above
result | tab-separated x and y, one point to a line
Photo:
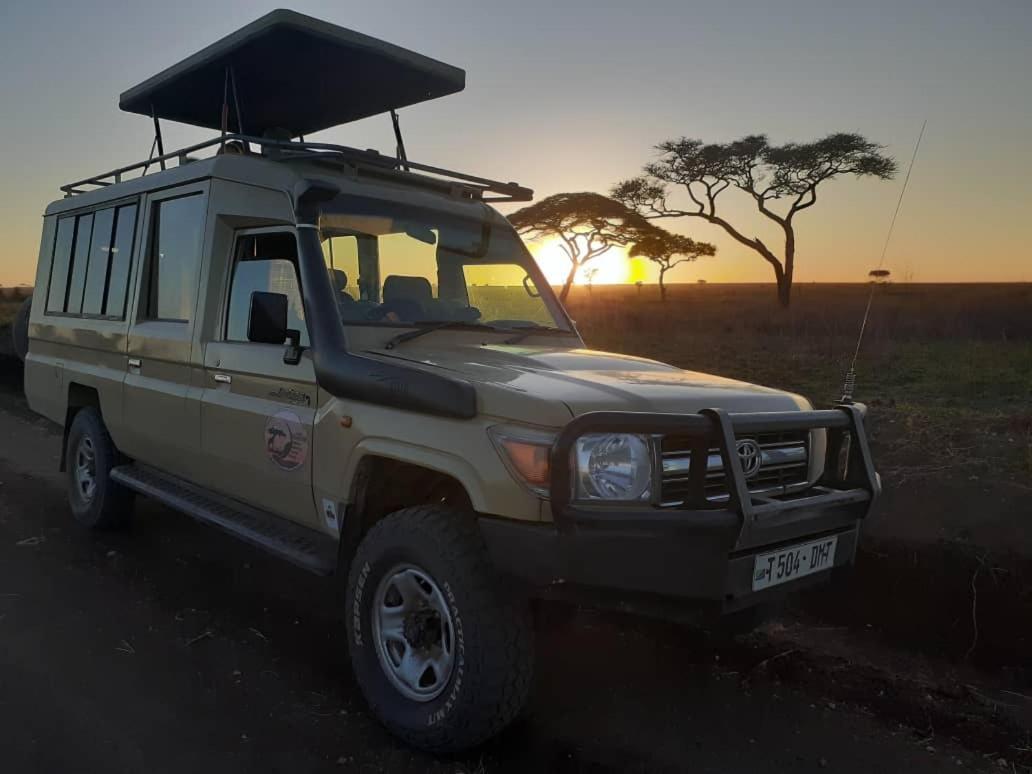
135	362
223	378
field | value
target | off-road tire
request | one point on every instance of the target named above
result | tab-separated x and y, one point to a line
111	504
20	329
492	673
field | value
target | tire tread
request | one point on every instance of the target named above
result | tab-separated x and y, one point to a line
507	647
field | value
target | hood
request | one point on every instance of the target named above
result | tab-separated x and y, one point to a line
508	378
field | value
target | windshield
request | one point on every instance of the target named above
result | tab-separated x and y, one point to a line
394	264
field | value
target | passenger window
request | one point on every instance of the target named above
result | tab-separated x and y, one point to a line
57	294
121	260
265	262
97	264
80	253
177	238
90	269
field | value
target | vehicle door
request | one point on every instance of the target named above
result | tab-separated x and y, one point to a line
161	424
258	411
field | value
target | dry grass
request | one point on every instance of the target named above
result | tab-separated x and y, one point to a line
949	367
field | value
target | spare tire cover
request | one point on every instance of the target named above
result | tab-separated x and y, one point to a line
20	329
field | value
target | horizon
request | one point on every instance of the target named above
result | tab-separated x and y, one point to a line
879	71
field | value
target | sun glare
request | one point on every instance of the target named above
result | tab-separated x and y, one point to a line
611	268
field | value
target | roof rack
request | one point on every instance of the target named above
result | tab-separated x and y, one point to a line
369	161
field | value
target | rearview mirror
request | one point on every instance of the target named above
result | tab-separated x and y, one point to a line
267	319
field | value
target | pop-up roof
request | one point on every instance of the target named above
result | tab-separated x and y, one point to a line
292	72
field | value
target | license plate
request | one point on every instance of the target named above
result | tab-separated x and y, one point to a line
793	562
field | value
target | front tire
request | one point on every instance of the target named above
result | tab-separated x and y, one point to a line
96	501
442	653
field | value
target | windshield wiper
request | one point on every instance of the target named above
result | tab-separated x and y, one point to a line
529	330
401	338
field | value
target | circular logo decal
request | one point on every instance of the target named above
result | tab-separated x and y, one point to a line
286	440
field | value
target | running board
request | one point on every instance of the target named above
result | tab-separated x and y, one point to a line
304	547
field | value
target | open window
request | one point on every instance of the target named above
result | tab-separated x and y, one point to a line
264	262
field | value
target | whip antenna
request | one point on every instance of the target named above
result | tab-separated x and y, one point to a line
849	384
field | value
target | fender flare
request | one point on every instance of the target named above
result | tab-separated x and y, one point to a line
415	454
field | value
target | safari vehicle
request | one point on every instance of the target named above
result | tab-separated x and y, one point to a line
351	360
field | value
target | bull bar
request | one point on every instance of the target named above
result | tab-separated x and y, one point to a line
698	550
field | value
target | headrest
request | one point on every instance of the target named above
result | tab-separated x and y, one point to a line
397	287
338	279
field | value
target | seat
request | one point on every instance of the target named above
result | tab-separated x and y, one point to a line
407	297
339	281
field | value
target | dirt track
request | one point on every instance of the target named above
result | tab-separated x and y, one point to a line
174	648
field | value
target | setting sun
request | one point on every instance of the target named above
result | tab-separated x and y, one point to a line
613	268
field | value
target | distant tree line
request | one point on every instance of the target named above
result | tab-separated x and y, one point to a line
15	293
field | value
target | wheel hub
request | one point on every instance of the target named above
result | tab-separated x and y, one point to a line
414	634
422	628
86	469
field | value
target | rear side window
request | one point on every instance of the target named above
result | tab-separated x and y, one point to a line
80	256
57	295
121	261
96	267
91	263
177	236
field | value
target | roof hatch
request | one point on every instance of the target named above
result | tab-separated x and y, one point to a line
292	73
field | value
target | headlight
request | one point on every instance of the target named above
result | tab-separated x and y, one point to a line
613	466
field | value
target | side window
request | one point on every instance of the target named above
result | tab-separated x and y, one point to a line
177	233
121	260
58	291
92	256
265	262
81	251
97	265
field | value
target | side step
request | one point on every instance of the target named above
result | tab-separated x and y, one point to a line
307	548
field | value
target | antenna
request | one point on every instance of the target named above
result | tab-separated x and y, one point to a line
849	383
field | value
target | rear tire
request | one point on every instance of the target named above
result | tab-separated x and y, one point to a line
422	591
20	329
96	501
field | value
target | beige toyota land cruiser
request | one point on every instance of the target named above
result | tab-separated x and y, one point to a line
351	360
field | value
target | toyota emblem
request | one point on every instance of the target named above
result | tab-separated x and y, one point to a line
749	456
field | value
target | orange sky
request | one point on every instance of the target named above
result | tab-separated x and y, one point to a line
569	112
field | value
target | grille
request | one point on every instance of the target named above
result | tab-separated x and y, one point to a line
784	465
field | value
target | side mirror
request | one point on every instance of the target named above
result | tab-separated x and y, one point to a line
267	319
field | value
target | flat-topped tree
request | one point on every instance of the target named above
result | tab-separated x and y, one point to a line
585	225
782	180
668	250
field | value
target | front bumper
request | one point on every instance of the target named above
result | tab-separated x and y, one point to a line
698	551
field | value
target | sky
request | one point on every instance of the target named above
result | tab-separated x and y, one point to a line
573	96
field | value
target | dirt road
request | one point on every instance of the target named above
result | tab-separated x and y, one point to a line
174	648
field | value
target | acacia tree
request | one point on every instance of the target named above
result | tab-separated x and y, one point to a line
782	180
586	225
668	250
